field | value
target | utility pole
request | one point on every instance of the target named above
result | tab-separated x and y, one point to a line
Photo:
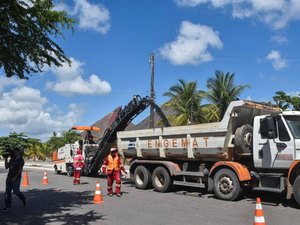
151	60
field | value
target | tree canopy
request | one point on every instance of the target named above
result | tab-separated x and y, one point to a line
14	140
185	99
222	90
287	102
27	29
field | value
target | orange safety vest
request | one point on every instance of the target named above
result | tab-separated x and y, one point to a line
113	163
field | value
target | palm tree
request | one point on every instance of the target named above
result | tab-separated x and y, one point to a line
211	112
221	90
55	142
70	136
185	100
45	151
33	150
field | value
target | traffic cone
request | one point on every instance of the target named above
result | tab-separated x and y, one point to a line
259	218
45	178
98	196
25	182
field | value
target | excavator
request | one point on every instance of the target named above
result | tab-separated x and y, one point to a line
95	153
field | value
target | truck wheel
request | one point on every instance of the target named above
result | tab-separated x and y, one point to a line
70	171
161	179
56	171
296	189
142	177
243	138
226	185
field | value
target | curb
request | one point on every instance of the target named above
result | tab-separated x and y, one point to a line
30	165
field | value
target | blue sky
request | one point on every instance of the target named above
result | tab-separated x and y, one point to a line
110	46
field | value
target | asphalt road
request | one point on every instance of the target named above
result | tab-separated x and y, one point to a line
60	202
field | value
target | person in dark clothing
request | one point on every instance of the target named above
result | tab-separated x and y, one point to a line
89	137
13	180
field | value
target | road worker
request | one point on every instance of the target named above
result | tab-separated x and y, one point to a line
89	137
112	167
78	164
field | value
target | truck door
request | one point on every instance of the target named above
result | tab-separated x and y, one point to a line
276	152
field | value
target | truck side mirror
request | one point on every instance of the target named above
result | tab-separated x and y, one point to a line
268	128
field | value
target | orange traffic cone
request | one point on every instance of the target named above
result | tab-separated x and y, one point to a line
98	196
25	182
259	218
45	178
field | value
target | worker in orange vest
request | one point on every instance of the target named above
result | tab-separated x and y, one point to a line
112	167
78	164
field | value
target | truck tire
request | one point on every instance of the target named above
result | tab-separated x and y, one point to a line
296	189
142	177
56	171
70	171
161	179
243	138
226	185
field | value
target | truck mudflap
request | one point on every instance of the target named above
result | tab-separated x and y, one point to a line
241	171
294	172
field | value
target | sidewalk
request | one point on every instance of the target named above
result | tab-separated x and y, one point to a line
35	165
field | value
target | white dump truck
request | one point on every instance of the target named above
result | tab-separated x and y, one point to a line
255	146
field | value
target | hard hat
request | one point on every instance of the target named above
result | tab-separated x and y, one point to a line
113	149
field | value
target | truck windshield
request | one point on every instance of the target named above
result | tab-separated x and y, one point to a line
294	125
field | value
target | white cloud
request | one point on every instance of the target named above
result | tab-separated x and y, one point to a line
22	110
191	45
277	14
279	39
190	2
7	82
277	61
90	16
293	93
70	81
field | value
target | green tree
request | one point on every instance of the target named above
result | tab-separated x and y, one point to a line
282	100
56	142
212	113
185	99
222	90
34	150
286	102
14	140
45	151
295	100
27	29
70	136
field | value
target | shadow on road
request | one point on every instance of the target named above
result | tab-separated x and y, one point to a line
267	198
51	206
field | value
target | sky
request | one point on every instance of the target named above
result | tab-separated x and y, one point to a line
191	39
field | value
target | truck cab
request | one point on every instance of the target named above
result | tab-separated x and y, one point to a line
277	142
